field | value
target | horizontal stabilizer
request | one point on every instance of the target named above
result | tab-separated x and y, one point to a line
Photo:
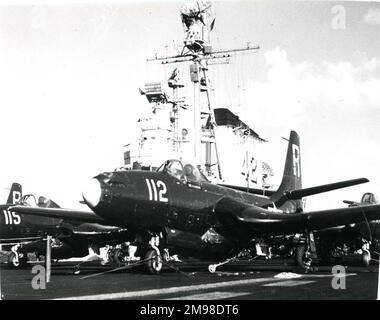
300	193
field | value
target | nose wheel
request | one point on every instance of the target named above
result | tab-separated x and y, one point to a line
153	257
153	261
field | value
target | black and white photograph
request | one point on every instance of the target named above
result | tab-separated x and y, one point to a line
200	151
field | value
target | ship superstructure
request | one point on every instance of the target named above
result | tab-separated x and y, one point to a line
183	121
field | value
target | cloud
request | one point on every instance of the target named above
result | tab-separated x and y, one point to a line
299	90
372	17
335	107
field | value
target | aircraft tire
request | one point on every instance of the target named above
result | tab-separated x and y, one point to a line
299	256
117	257
13	263
166	256
366	258
154	262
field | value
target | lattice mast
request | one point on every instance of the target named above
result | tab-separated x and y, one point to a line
198	22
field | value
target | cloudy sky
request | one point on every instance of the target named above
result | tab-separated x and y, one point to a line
69	79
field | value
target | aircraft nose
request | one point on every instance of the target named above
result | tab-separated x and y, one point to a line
92	193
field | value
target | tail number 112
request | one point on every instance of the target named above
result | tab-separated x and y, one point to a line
157	190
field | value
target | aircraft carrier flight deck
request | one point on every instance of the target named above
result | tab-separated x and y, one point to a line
190	150
277	279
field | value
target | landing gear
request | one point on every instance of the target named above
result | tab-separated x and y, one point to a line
117	256
156	256
143	252
302	257
153	256
346	250
305	253
153	262
366	254
366	258
13	260
17	260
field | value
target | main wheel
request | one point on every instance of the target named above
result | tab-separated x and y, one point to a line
118	257
300	256
166	256
154	262
17	262
366	258
13	260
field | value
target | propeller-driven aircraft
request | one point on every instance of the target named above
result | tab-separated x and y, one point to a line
177	208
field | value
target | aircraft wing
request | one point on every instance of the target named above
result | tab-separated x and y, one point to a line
74	215
81	223
300	193
237	219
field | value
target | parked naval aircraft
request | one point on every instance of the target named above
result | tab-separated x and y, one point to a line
21	234
177	208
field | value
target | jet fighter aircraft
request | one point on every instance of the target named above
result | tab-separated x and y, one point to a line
354	239
21	234
367	199
177	208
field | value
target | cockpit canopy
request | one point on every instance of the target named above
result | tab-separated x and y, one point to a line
369	198
182	171
34	200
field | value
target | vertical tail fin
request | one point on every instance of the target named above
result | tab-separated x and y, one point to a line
15	194
292	177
